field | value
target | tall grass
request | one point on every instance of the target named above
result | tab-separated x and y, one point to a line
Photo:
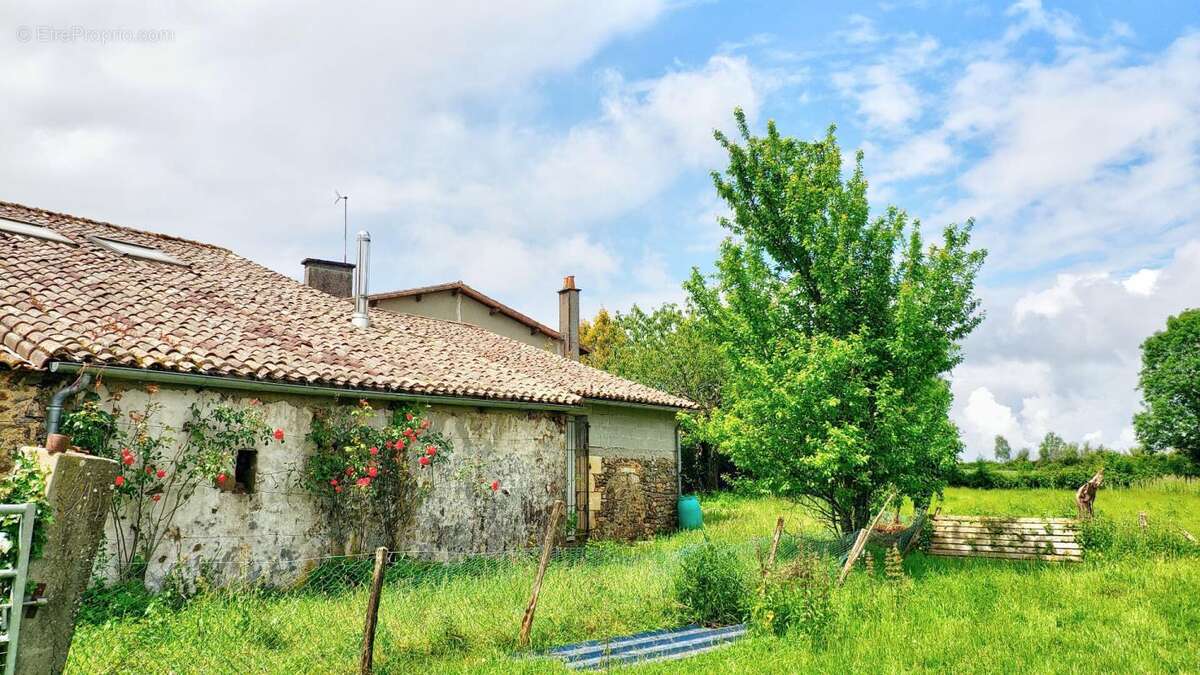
1131	613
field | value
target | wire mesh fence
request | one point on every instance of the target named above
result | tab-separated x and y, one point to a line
222	618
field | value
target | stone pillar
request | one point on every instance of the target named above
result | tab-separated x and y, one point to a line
78	491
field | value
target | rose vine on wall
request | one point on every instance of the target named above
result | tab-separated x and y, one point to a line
370	479
160	471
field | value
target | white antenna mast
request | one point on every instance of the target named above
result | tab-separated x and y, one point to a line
345	200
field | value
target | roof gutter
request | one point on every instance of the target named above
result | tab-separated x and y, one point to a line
244	384
631	404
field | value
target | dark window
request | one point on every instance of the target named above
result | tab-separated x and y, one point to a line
244	470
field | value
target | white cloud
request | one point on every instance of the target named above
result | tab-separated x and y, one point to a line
1084	157
886	98
1065	358
985	419
431	117
1142	282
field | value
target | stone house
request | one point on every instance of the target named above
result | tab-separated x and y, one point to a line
158	318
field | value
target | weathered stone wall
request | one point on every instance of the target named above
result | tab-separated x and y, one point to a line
638	498
632	479
274	533
23	399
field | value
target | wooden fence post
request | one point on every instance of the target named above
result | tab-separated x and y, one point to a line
547	549
366	662
861	541
774	546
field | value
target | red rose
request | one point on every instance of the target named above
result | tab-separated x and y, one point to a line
374	451
220	479
161	473
156	497
424	460
431	450
337	489
333	481
120	480
279	434
408	416
364	481
372	472
128	460
400	444
149	470
495	485
387	444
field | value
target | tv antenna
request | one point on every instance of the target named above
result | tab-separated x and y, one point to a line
345	200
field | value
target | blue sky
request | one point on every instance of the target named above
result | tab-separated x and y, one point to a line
510	144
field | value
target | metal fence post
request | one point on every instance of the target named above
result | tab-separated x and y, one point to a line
16	604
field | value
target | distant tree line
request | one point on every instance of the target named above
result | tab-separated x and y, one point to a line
1067	465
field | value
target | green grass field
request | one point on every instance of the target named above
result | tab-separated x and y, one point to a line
1129	612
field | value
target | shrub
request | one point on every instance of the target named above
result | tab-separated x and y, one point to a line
710	585
796	598
1105	537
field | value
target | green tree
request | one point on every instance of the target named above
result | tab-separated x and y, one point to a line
602	337
1170	384
667	349
1002	449
1051	448
840	329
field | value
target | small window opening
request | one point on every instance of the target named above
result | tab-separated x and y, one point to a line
245	470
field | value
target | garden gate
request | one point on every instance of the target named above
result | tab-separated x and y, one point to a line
12	579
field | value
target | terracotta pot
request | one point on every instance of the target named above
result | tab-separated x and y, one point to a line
56	443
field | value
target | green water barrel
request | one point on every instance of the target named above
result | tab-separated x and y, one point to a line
690	517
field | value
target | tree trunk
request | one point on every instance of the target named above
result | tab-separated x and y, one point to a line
1085	497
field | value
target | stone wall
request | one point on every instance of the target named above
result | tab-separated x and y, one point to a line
637	497
273	533
632	479
23	399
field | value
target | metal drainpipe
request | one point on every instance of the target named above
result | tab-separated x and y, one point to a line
678	465
54	410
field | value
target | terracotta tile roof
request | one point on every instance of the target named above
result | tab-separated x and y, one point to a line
221	314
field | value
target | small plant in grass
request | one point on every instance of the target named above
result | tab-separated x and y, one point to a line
446	637
710	585
894	565
797	597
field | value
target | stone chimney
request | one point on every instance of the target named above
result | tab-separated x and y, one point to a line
568	318
335	278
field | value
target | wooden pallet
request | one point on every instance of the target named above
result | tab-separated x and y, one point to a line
1006	538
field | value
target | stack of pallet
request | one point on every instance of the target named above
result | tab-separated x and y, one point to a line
1011	538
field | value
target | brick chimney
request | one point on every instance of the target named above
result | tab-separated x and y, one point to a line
568	318
335	278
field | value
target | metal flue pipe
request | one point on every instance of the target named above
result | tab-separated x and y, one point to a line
361	271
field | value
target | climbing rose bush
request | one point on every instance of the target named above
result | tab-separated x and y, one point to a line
369	476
